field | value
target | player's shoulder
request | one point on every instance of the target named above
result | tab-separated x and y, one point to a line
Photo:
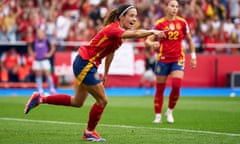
178	18
161	20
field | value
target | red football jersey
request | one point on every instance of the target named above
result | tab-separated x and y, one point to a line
171	48
105	42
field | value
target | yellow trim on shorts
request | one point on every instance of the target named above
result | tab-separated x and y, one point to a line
86	69
83	73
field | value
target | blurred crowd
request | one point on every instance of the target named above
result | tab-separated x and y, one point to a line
214	24
211	21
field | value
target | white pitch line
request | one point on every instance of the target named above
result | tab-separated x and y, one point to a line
121	126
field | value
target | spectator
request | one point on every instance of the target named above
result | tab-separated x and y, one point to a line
10	64
234	9
63	25
72	7
27	62
3	33
209	38
10	24
23	22
29	35
46	8
50	26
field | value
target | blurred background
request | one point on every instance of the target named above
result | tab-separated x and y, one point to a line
214	24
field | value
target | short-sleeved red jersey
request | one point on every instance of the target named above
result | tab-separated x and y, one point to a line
105	42
171	48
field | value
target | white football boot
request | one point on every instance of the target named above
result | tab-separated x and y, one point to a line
169	116
158	119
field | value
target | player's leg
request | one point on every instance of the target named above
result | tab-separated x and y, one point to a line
161	71
46	66
58	99
177	76
63	99
38	76
98	92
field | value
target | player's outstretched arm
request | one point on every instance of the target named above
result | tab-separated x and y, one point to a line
141	33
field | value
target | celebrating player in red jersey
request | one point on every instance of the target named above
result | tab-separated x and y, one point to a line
170	58
118	25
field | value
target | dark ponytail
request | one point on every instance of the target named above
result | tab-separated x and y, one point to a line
111	17
114	14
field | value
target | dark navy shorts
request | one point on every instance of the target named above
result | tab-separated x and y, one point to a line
85	72
164	68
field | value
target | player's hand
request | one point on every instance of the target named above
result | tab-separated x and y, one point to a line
160	34
155	44
47	55
104	77
193	63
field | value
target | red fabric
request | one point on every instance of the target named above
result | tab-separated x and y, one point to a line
171	48
58	99
209	39
175	92
70	5
94	116
11	60
159	97
105	42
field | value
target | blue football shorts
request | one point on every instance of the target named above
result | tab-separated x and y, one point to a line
85	72
164	68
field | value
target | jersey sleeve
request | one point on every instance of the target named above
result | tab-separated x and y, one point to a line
115	32
186	28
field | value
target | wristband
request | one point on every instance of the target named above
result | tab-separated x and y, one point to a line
193	55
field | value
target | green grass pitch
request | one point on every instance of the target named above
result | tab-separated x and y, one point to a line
126	120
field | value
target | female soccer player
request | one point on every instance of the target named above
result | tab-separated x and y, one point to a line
171	58
118	25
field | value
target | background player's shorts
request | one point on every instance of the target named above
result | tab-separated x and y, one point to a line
85	71
41	65
163	68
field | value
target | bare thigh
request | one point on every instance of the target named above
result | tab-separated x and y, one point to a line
161	79
177	74
80	95
174	74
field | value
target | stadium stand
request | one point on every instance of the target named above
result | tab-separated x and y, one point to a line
215	24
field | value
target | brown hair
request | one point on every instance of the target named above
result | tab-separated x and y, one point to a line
114	14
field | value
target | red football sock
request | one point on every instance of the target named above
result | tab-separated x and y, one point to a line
159	97
58	99
94	116
175	92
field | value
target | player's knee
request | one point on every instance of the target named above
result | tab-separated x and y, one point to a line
76	103
102	102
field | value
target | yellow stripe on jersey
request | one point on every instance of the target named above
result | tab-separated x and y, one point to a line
102	40
182	53
86	69
159	21
181	19
160	51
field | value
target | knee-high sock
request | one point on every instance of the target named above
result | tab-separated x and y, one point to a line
94	117
175	92
159	98
50	82
58	99
39	82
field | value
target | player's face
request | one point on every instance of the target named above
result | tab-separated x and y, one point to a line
172	7
40	34
130	19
